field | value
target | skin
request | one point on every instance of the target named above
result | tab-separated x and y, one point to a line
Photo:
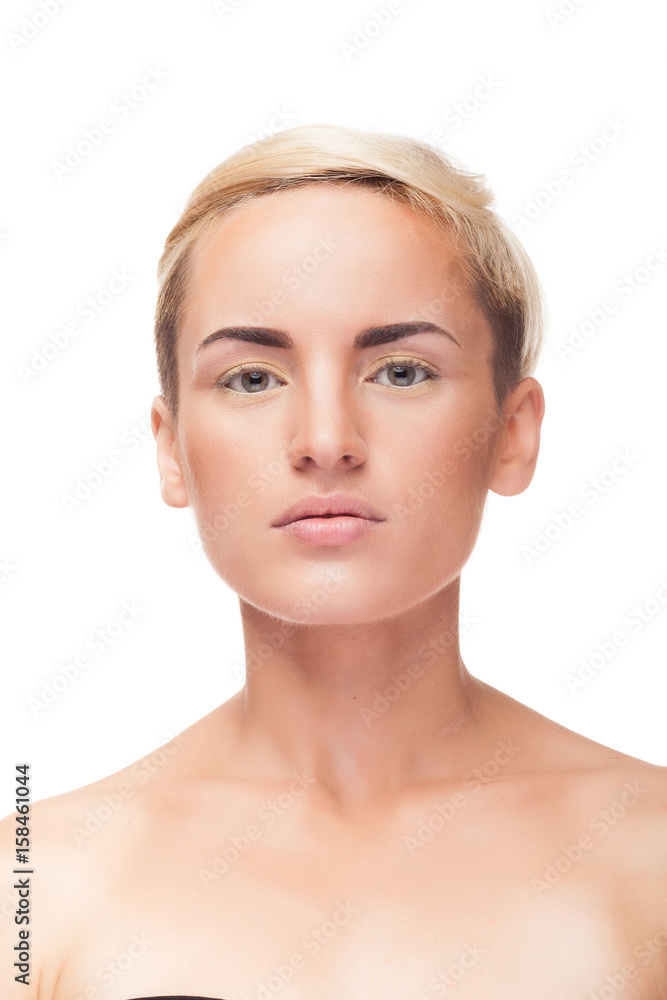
364	816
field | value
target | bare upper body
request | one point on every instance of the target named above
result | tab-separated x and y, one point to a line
538	871
459	844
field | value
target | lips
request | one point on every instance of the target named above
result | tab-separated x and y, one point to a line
331	505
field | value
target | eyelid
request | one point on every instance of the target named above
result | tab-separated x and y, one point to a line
379	365
245	368
405	360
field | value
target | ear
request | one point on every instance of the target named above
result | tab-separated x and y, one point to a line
519	440
172	485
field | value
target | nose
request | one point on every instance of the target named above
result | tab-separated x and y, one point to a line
328	434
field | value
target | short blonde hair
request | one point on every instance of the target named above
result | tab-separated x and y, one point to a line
496	268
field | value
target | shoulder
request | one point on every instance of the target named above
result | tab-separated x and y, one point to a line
83	843
614	808
608	790
87	825
625	820
630	812
583	792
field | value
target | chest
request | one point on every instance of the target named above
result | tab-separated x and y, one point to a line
250	920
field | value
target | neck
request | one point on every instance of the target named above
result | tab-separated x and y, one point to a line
364	710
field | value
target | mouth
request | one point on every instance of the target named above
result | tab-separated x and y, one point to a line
329	506
343	514
329	529
334	519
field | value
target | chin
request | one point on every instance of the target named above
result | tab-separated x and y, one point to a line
338	599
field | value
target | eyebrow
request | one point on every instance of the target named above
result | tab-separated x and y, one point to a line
371	337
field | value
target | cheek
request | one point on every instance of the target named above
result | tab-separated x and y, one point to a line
228	480
446	482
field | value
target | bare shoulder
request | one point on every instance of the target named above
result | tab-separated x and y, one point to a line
113	815
623	809
83	845
630	796
85	827
608	808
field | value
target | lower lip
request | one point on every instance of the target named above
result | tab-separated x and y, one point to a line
329	530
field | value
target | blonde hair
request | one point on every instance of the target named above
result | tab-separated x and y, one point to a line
496	268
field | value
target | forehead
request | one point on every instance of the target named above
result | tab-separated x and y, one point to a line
324	259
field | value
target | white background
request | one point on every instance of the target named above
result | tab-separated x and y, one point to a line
229	75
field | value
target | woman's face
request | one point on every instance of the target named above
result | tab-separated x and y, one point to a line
322	264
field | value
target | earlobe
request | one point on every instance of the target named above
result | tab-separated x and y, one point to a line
172	484
519	441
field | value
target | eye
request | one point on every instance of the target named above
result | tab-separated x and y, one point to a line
252	379
402	372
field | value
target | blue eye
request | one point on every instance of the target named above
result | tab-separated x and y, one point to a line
403	374
252	380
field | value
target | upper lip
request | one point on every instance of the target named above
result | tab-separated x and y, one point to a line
317	505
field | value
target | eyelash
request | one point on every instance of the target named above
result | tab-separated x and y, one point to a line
396	363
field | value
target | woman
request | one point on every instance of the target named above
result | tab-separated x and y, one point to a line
346	334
